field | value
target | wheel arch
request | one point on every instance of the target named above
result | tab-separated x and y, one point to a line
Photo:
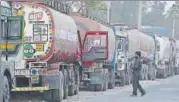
9	77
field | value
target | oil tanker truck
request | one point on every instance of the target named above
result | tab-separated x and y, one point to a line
177	58
163	53
10	29
98	53
43	57
122	75
131	40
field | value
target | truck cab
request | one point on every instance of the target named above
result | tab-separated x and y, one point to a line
122	71
94	55
11	40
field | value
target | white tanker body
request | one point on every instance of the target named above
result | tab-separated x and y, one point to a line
49	45
163	55
177	57
111	42
139	41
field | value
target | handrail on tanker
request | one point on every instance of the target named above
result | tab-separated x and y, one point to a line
64	8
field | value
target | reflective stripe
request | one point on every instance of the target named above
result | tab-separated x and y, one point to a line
30	89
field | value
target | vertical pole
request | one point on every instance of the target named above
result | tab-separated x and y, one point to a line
139	14
0	35
1	74
109	12
173	27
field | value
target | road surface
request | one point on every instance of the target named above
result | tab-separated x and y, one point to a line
160	90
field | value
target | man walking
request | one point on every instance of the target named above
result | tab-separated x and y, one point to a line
136	75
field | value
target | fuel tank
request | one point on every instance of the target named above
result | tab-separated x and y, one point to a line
139	41
48	34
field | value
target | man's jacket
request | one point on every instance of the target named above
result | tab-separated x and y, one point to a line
137	66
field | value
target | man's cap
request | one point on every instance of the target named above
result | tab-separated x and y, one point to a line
138	53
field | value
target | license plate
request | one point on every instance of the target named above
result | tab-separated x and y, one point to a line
35	79
24	72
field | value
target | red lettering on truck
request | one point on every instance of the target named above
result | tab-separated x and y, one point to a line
35	15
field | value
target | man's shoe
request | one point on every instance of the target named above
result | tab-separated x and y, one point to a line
143	94
133	95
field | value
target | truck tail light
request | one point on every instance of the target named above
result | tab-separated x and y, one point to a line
44	71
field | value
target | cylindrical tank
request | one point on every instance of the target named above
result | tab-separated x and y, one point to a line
48	34
177	52
111	42
84	24
164	51
138	41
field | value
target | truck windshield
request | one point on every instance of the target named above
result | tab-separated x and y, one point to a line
13	32
2	27
94	41
120	43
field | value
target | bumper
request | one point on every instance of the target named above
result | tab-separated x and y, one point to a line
30	89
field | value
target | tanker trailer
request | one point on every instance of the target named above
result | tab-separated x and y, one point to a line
172	56
177	57
162	56
44	58
94	54
122	74
139	41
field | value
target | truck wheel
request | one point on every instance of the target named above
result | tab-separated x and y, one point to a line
65	84
71	90
55	95
111	84
77	90
77	84
48	96
123	79
99	87
127	79
6	90
58	94
154	75
105	86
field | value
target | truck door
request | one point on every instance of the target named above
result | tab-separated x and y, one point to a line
12	35
95	46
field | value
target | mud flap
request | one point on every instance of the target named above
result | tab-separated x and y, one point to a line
1	87
111	81
99	79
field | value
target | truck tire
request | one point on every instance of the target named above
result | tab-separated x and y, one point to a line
99	87
71	90
105	86
111	86
66	82
58	94
6	90
77	83
123	79
55	95
127	78
111	83
48	96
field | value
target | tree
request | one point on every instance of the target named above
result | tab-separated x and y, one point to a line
127	12
156	16
90	7
124	12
